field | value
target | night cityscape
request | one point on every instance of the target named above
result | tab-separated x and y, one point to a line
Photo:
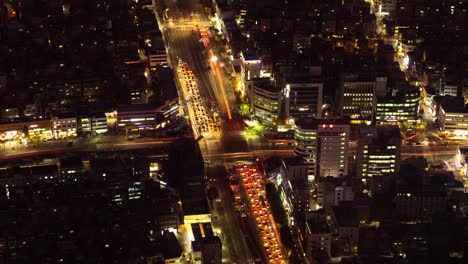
234	131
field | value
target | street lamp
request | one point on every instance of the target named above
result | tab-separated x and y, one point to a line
214	58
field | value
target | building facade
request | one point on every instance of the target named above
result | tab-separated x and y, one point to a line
303	98
379	152
265	99
324	146
357	98
452	115
318	238
395	110
64	127
251	66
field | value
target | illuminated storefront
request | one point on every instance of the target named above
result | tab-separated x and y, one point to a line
17	133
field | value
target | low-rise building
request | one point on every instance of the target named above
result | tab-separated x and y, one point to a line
94	124
318	237
34	129
345	224
136	117
452	115
10	113
64	126
413	204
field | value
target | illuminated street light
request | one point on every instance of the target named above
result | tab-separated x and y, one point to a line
214	58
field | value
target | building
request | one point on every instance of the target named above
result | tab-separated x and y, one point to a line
251	66
357	98
452	115
10	113
324	146
387	7
420	202
136	117
399	108
172	250
343	192
294	184
378	152
206	248
34	129
265	99
71	169
211	250
223	14
64	126
345	225
303	98
156	51
318	238
94	124
33	110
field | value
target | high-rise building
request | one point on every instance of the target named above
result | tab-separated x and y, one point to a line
379	152
303	97
403	106
324	146
265	99
251	66
357	98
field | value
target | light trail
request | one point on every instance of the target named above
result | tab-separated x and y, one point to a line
254	186
215	66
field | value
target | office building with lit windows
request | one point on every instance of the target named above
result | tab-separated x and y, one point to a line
303	97
403	106
452	115
357	98
265	99
324	146
379	152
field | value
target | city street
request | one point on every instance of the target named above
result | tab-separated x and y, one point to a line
225	217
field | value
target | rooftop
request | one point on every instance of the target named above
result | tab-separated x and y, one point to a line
294	161
250	55
362	76
265	84
382	135
301	78
346	216
453	104
166	83
136	107
171	247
